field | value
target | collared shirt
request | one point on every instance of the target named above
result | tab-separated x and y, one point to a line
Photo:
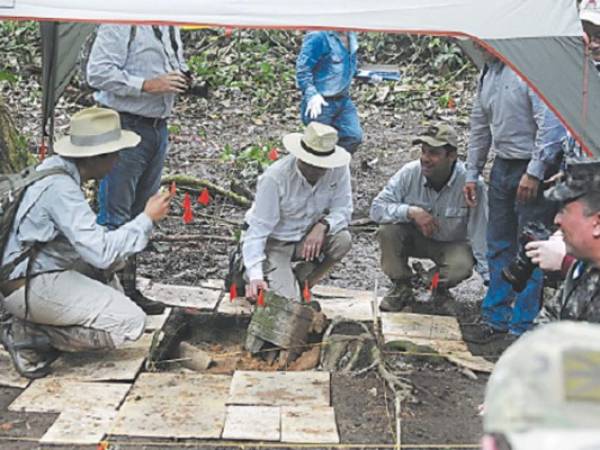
325	66
54	211
506	116
119	73
577	299
457	222
286	206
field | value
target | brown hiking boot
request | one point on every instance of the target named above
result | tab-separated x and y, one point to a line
29	348
397	298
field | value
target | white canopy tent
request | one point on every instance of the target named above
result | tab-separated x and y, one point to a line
540	39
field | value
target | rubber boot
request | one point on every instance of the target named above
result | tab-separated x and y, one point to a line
127	276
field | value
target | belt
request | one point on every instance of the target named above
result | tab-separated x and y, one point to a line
336	97
153	122
10	286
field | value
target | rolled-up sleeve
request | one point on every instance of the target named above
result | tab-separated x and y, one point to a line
108	56
389	206
261	220
311	52
477	229
97	246
340	211
480	141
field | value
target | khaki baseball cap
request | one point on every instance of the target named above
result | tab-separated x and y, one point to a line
438	135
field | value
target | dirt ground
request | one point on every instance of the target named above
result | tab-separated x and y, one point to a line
444	410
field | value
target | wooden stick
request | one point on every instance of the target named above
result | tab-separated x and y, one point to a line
192	238
196	183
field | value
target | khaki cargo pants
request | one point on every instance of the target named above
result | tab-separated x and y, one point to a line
88	313
285	270
398	242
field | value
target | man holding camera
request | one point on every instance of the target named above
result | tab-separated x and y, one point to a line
137	71
579	221
507	116
422	213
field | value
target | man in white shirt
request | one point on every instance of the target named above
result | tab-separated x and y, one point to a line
297	226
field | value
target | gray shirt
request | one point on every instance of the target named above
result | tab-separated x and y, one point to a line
54	210
507	116
118	69
286	206
457	222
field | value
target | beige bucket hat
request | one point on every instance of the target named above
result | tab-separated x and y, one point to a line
316	146
589	11
95	131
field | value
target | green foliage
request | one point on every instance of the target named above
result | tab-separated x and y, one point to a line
256	154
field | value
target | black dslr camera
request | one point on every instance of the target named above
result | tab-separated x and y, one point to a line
195	89
518	272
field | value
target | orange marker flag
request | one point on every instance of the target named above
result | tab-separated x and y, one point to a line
273	154
43	151
204	197
187	209
261	298
233	292
435	280
173	189
306	292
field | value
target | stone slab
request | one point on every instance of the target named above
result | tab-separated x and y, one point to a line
420	326
309	425
174	405
154	323
440	333
122	364
239	307
79	427
8	375
54	395
356	308
307	388
253	423
337	292
181	296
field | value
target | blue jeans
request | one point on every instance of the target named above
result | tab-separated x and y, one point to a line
341	114
135	178
506	219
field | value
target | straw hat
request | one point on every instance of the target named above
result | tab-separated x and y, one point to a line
590	11
95	131
317	146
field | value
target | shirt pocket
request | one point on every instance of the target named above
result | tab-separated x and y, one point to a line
456	220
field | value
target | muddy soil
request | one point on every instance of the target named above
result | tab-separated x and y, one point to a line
445	405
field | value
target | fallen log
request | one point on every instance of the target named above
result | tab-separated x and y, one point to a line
197	183
192	238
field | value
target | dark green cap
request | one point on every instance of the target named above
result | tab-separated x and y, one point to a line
438	135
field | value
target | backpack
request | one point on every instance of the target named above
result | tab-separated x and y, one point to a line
86	50
12	189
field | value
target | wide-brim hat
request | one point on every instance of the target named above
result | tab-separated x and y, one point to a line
317	146
589	11
95	131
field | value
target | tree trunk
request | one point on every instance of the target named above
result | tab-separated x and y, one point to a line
13	152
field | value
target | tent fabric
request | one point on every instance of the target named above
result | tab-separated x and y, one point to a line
486	19
61	44
540	39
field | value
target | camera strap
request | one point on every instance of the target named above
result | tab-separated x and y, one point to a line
174	44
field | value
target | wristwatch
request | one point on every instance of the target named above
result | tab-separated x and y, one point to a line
324	222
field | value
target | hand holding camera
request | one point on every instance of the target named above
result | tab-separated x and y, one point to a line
547	254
